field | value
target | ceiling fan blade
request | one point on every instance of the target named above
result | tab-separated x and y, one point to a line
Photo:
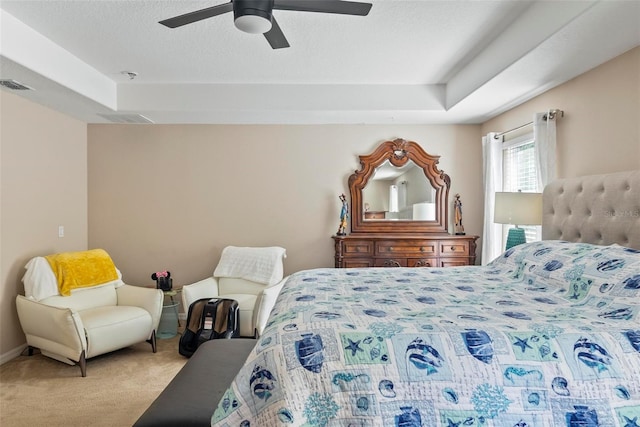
325	6
198	15
275	37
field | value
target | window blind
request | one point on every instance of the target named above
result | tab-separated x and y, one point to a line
519	174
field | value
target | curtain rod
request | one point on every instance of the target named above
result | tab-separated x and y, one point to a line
551	115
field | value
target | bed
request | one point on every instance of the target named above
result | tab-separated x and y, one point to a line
548	334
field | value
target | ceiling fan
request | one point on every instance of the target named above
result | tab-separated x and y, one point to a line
255	16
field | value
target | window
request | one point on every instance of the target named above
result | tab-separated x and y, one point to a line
519	174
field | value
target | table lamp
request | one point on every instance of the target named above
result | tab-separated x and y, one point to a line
518	209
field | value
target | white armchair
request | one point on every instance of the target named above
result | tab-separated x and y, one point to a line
90	321
251	276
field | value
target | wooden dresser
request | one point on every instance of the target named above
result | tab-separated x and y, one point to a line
376	241
402	250
373	215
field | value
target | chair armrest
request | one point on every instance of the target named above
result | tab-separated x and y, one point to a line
207	288
263	307
148	298
59	330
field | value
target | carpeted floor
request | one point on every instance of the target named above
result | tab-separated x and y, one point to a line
119	386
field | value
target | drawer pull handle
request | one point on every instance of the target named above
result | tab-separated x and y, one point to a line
421	249
453	248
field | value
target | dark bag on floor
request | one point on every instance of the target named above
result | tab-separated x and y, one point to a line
208	319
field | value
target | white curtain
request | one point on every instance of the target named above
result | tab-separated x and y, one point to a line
544	136
492	180
393	198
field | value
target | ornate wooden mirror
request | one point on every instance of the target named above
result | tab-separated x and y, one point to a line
399	189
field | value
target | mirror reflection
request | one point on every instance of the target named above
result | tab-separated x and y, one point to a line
399	193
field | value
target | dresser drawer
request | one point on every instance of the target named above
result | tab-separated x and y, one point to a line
453	262
374	215
405	247
357	263
454	248
391	262
422	262
358	248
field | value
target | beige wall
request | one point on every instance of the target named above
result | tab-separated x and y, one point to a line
43	171
600	131
171	197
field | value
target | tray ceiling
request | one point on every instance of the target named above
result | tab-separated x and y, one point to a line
406	62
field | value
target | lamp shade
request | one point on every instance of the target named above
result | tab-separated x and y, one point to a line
518	208
424	211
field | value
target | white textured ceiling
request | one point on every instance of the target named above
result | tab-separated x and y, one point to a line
408	61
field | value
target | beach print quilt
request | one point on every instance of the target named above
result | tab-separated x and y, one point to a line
548	334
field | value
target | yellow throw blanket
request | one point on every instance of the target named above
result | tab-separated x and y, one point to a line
81	269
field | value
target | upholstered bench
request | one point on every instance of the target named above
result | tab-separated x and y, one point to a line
194	393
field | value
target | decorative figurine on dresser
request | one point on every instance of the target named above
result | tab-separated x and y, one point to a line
457	207
403	185
344	214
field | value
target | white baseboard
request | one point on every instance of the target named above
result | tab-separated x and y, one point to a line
12	354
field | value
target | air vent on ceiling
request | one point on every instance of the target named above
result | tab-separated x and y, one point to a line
14	85
125	118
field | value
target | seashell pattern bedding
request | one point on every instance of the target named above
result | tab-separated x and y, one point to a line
548	334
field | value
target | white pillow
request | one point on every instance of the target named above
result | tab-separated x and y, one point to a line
39	280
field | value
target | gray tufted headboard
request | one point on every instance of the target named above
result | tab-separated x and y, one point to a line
599	209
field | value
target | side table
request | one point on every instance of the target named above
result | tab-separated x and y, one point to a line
169	322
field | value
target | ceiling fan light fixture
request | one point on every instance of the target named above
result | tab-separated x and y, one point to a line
255	16
254	24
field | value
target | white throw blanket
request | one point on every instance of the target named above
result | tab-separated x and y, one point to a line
261	265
